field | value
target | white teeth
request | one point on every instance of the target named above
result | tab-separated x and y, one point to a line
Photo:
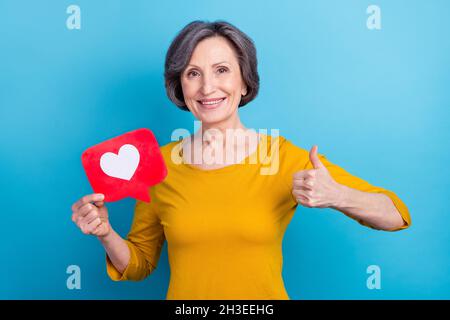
212	102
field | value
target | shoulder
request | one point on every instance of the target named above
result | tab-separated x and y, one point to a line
291	154
167	148
294	158
283	156
170	149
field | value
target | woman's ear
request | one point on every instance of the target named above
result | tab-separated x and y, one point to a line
244	91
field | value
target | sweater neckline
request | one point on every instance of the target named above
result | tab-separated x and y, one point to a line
264	140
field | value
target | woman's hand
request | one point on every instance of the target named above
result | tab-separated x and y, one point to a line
91	215
316	187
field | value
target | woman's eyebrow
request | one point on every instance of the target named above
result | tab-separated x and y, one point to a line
215	64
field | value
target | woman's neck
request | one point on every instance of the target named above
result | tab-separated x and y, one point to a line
230	136
232	124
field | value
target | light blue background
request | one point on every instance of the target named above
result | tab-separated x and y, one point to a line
376	102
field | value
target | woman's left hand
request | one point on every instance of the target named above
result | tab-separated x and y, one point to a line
316	187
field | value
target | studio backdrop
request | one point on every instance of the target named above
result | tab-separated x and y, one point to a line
367	81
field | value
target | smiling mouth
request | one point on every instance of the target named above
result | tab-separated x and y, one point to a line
211	104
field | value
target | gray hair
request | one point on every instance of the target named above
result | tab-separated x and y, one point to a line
181	49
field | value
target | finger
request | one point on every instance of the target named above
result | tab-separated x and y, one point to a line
301	185
308	194
91	216
76	217
87	199
308	179
84	210
301	193
305	174
314	158
309	182
299	175
98	229
88	228
301	199
99	204
305	202
93	225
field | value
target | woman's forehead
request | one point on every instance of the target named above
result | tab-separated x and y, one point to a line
213	51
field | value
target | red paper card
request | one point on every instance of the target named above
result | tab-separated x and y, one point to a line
125	166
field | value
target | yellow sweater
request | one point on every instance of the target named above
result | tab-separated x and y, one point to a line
224	227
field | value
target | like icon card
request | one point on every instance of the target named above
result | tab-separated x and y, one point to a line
125	166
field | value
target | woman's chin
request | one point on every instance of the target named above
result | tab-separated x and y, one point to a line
213	117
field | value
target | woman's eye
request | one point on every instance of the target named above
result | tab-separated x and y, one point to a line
192	73
222	70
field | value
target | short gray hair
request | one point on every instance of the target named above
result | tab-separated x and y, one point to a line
181	49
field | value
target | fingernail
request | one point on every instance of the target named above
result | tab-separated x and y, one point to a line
101	196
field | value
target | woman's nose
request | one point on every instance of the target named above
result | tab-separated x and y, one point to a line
208	85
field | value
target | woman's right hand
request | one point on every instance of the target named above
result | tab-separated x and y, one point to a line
91	215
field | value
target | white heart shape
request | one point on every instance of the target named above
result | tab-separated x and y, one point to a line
122	165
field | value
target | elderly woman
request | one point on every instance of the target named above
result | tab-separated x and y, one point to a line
224	220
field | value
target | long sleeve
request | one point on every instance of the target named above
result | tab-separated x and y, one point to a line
299	160
145	241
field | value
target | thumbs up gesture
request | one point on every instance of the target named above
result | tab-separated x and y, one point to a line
316	187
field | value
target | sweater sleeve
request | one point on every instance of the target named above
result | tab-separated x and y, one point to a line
298	159
145	241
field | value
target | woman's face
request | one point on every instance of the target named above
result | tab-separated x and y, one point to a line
212	83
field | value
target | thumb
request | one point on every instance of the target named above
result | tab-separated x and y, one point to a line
314	158
99	204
